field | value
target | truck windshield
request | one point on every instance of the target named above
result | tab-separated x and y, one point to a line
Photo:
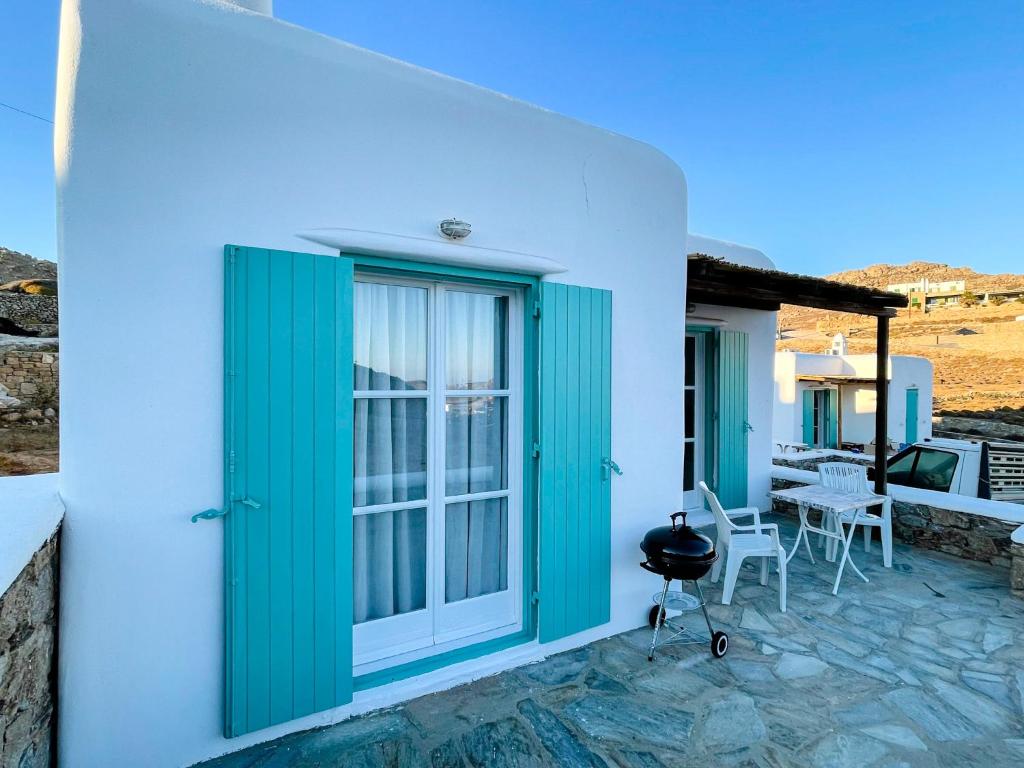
923	468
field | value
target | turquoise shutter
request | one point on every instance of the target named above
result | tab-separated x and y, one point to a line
809	417
732	419
833	418
288	470
575	483
911	416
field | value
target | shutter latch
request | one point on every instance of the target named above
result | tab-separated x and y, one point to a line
212	514
536	450
608	466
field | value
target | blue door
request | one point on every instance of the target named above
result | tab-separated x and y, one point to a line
912	400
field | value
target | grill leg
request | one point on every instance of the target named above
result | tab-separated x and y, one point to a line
704	607
661	616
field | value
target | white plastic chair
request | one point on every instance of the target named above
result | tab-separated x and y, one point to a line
854	478
738	542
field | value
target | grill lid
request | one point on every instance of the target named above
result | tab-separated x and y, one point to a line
679	543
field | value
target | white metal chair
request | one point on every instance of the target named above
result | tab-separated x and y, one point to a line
738	542
854	478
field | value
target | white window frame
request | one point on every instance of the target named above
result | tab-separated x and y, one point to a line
393	640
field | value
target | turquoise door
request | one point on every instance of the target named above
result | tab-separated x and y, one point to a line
912	399
732	418
808	410
832	418
288	486
575	460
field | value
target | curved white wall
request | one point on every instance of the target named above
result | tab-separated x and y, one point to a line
182	126
732	252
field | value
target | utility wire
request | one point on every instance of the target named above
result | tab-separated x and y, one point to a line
23	112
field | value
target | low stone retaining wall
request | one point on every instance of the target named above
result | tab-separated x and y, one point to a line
810	460
28	621
30	311
1017	568
29	376
971	537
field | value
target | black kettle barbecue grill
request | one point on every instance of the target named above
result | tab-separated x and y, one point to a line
679	552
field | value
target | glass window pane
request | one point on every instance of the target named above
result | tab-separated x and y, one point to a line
390	450
901	470
934	470
475	340
690	412
475	444
688	466
389	556
389	342
691	361
476	549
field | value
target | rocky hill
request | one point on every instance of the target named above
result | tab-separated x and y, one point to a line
881	275
21	266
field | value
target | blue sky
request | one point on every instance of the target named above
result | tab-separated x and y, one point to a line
830	135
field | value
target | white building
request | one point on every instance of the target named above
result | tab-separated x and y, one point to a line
828	400
924	285
265	332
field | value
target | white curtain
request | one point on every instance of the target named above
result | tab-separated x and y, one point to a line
476	548
390	450
475	341
476	532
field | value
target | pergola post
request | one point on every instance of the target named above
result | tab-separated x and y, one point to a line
881	404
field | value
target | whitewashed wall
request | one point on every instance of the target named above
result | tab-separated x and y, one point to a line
184	125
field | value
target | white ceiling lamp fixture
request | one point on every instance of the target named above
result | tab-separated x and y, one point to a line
455	229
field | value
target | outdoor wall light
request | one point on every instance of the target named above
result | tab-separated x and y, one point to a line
455	229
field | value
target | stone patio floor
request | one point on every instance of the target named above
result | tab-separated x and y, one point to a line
924	666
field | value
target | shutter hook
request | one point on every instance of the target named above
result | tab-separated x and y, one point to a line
607	465
212	514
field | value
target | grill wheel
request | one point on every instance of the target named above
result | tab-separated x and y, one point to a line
652	616
719	644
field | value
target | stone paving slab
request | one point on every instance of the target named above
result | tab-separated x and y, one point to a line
924	666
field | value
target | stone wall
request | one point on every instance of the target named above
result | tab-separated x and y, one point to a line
795	461
30	311
28	621
30	376
972	537
1017	568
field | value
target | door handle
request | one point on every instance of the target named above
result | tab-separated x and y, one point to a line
213	514
607	467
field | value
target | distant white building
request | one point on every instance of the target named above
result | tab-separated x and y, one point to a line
924	285
828	400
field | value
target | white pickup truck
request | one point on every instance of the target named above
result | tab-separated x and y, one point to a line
985	470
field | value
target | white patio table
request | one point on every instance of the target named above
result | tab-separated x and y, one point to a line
830	500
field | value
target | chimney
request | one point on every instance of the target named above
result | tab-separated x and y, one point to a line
258	6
